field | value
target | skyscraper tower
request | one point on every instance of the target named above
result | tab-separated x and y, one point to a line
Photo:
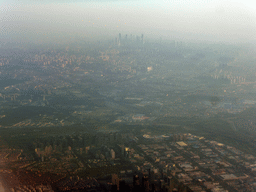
136	184
137	40
145	184
122	186
142	39
120	37
119	40
115	181
136	180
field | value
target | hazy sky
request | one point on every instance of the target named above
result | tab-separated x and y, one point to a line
216	20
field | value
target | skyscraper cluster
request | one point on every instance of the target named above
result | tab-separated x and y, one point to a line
132	39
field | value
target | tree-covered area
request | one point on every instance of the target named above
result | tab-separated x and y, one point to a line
13	116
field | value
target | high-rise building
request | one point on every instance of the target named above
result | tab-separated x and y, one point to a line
122	186
115	180
127	152
149	175
112	153
145	184
136	180
137	39
114	188
119	39
136	183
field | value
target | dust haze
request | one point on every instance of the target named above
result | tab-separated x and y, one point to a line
42	21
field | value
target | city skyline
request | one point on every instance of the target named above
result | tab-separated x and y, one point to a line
226	21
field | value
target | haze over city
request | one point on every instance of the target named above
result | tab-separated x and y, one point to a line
127	96
228	21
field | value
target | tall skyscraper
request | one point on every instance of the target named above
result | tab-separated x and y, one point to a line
120	37
137	39
115	181
122	185
145	183
136	184
112	152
